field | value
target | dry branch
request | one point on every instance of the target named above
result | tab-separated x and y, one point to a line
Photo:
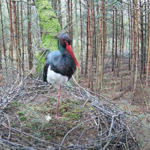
110	126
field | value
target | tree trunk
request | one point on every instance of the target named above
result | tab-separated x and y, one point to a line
11	32
145	40
81	58
147	72
18	37
69	18
101	47
113	38
15	33
98	49
3	37
30	52
104	42
130	35
22	38
89	46
137	48
134	48
77	40
122	37
116	42
59	13
47	22
87	40
142	47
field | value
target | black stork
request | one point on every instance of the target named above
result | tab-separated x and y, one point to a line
60	65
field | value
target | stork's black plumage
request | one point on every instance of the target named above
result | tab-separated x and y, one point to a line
60	65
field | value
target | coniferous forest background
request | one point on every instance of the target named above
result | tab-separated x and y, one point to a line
111	40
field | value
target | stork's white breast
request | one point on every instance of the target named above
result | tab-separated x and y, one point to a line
55	78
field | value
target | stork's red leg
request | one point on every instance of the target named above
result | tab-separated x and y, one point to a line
58	96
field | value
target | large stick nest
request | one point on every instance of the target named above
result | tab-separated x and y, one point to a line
99	125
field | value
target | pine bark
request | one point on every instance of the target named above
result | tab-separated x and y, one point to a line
116	42
148	59
134	47
3	37
22	38
142	47
11	32
89	46
101	47
30	53
15	33
137	48
81	58
113	40
76	41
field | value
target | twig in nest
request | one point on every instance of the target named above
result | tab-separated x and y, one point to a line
74	129
16	130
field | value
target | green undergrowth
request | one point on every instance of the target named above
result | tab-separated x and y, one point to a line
32	117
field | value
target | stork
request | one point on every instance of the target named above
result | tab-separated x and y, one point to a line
60	65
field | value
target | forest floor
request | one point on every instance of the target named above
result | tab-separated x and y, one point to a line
110	119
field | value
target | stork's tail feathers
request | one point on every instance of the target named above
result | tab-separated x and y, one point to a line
45	72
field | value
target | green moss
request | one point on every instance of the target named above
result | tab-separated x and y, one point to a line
77	110
67	114
14	105
50	28
71	115
41	108
23	118
74	116
35	124
76	102
20	113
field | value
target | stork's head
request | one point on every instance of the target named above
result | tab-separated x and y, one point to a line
65	42
63	39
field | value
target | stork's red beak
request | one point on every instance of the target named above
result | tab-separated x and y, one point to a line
69	49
